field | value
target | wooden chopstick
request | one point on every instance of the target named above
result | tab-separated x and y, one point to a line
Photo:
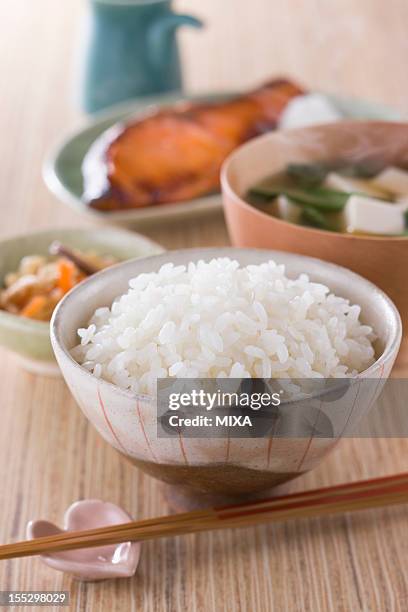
374	493
312	495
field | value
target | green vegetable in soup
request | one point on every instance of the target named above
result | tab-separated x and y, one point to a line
366	169
314	218
313	175
307	175
320	198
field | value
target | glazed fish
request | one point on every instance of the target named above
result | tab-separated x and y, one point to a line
176	154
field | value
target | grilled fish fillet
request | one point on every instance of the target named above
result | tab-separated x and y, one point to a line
176	154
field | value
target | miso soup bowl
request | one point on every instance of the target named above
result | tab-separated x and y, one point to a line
382	260
232	467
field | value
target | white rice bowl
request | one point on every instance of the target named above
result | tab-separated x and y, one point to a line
217	319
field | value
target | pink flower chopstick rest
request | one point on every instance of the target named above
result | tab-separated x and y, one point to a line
100	563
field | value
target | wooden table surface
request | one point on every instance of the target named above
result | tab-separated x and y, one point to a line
50	456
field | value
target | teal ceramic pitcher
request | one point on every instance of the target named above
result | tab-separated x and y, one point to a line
132	51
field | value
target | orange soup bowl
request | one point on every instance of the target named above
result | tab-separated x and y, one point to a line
382	260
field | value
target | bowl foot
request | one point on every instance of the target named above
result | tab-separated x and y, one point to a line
183	499
189	487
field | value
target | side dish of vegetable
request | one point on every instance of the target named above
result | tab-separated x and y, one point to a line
36	287
358	198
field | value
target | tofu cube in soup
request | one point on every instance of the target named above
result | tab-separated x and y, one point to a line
354	185
393	180
287	210
371	216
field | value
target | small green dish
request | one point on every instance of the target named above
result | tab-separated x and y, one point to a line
63	169
31	339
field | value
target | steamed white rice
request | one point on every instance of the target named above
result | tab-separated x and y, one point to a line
217	319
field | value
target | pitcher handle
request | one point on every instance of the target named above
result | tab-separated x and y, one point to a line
159	31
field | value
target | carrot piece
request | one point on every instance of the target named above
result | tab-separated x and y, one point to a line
66	275
34	307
